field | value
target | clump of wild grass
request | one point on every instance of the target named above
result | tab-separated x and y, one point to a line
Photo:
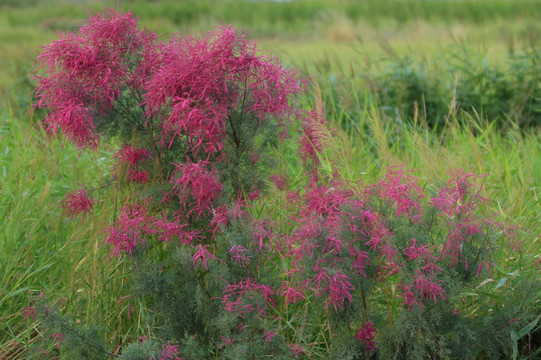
409	91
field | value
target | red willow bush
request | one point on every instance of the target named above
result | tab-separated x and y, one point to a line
350	275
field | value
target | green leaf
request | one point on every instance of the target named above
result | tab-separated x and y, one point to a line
514	339
528	328
500	283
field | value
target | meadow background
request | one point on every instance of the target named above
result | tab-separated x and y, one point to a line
432	85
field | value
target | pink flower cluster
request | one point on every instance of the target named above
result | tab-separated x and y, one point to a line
170	352
247	296
78	202
366	334
202	255
132	158
458	201
401	191
202	79
85	71
319	237
196	187
135	224
111	78
340	235
188	86
239	255
128	232
279	181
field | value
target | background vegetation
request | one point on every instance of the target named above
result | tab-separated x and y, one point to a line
427	84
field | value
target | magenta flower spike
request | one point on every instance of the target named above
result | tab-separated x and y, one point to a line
78	202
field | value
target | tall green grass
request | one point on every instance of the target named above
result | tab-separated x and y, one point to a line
258	14
458	85
42	250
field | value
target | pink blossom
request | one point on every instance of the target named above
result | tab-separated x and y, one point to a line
133	156
366	334
255	157
170	352
202	255
128	229
227	341
360	261
134	216
144	338
85	71
77	202
29	312
427	288
339	290
203	78
238	209
75	121
59	337
140	176
458	201
296	349
409	297
321	280
323	200
239	255
390	253
310	228
122	242
413	252
334	245
261	233
292	294
170	230
279	181
453	246
122	299
189	237
220	218
460	196
375	229
424	254
293	197
253	195
243	293
483	264
298	252
402	191
268	335
196	186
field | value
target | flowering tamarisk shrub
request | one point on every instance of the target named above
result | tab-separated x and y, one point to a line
181	111
190	99
375	272
194	117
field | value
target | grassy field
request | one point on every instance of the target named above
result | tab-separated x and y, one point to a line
300	32
352	52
